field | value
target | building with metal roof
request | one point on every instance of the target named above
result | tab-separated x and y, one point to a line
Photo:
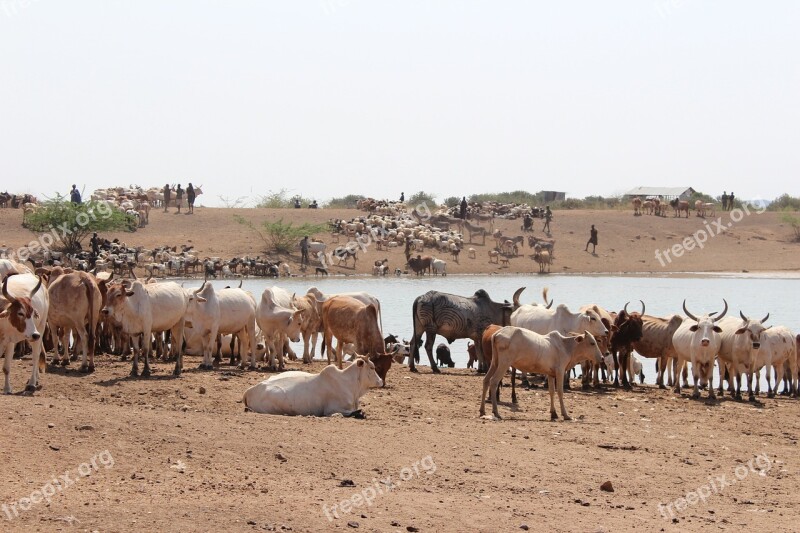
666	193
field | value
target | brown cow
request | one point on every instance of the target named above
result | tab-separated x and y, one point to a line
680	206
420	264
656	341
486	344
349	320
75	303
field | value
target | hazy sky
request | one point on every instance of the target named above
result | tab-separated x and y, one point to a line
330	97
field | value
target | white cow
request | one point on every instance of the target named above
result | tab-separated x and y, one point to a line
23	317
228	311
698	340
541	319
778	348
147	309
439	266
552	355
278	323
741	340
304	394
363	297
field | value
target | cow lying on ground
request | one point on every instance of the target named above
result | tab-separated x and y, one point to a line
550	354
304	394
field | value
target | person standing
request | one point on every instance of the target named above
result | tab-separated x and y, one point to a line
95	242
730	201
75	195
548	216
304	251
167	194
190	196
592	240
464	208
402	197
178	197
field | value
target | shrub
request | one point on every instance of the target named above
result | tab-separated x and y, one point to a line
345	202
794	221
279	236
73	223
280	200
785	202
422	197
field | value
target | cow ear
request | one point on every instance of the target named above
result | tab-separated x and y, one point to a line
129	293
579	338
360	362
201	299
718	329
693	328
740	331
4	313
614	328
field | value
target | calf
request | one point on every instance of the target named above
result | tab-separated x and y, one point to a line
304	394
350	320
443	356
550	354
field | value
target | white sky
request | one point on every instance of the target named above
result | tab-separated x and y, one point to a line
330	97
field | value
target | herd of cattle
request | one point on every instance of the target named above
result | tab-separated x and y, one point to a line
659	207
74	313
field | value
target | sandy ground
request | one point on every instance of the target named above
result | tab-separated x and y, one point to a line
181	455
757	242
172	456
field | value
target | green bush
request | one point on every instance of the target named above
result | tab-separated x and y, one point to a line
785	202
422	197
345	202
280	200
279	236
793	220
73	223
452	201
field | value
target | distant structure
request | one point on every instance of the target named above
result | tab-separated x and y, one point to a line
665	193
554	196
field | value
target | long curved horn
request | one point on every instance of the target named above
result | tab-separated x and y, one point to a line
36	288
201	286
722	314
544	297
240	284
641	302
625	309
515	299
690	315
133	274
765	318
7	296
744	317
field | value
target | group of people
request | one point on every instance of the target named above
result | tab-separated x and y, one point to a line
179	192
727	201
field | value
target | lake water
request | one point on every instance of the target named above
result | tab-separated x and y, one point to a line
754	294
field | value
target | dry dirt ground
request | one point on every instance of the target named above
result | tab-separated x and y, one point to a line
757	242
181	455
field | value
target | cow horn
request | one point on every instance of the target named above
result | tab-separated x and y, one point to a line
7	296
133	274
240	284
743	317
36	288
516	297
625	308
640	301
690	315
544	297
722	314
765	318
201	286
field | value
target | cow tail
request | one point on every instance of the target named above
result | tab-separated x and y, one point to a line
92	323
414	341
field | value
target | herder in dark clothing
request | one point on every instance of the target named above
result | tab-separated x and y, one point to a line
75	195
167	194
724	201
304	251
178	197
464	208
402	197
95	242
592	240
548	216
730	201
190	196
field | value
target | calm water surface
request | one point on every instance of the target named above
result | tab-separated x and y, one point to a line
753	295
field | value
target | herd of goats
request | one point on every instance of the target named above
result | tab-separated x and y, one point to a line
74	313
